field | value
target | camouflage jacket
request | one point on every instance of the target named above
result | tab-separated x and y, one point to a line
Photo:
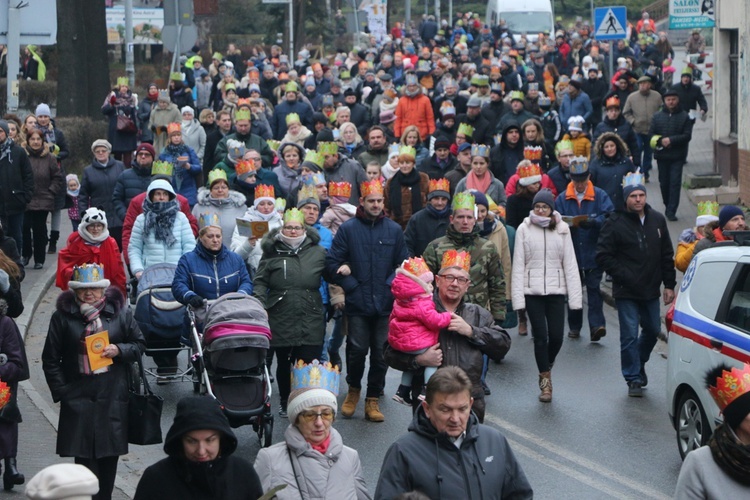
487	279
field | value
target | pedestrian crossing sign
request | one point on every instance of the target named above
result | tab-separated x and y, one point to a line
610	23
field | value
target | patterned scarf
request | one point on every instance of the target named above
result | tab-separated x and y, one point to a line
5	150
160	217
90	313
730	454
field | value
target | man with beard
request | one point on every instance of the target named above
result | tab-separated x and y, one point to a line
517	116
377	147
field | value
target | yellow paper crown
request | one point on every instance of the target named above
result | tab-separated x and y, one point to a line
454	258
176	76
242	114
5	394
273	144
466	129
162	168
314	157
439	185
263	191
563	146
292	118
480	150
415	266
209	219
463	200
408	151
242	167
373	187
307	191
279	204
731	385
532	153
516	95
341	189
123	80
316	375
529	171
708	208
328	148
174	128
217	174
294	215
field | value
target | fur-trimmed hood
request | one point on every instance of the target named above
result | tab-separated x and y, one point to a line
622	148
66	302
235	199
406	286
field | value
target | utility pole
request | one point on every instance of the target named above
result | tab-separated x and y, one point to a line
129	66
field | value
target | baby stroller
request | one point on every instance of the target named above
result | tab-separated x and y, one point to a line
229	358
161	319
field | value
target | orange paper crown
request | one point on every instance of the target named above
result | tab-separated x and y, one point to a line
243	102
613	101
342	189
244	166
730	386
529	171
533	153
415	266
454	258
439	185
370	187
263	191
173	128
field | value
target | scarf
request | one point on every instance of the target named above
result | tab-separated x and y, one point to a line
539	220
730	454
5	150
410	180
292	242
439	214
74	194
322	448
176	150
413	93
480	184
91	239
160	217
49	134
488	225
90	313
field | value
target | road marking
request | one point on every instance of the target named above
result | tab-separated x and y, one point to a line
577	459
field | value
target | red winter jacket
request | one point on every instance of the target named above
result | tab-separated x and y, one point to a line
77	253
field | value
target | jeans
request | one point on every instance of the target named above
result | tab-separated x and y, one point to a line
547	316
635	350
670	183
285	358
644	143
366	333
591	279
35	234
336	340
13	227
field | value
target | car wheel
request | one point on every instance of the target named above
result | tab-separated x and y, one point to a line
692	426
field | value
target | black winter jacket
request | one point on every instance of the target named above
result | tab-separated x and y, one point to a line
16	181
622	128
691	96
678	127
97	189
130	183
482	130
423	227
431	167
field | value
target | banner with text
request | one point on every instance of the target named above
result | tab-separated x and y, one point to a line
147	25
377	17
688	14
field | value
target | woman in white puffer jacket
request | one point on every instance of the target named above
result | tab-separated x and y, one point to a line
544	272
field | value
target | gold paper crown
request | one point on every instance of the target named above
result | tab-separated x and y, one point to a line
466	129
162	168
516	95
5	394
242	167
415	266
454	258
279	204
439	185
242	114
613	101
373	187
462	201
532	153
342	189
209	219
314	157
263	191
633	179
292	118
174	128
273	144
529	171
563	146
294	215
123	80
731	385
480	150
217	174
708	208
176	76
408	151
328	148
316	375
307	191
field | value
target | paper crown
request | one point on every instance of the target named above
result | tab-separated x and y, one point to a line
328	148
454	258
393	149
654	143
463	201
316	375
480	150
208	220
708	208
448	110
579	165
314	157
533	85
242	114
532	170
292	118
88	273
633	179
243	102
279	204
439	185
241	168
466	129
175	76
318	179
415	266
294	215
291	87
730	386
544	101
408	151
516	95
687	70
342	189
532	153
162	168
613	101
217	174
480	80
306	191
563	146
230	86
264	191
5	394
373	187
123	80
411	79
273	144
174	128
163	95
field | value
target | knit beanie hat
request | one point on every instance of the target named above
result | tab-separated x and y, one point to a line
71	177
728	213
4	127
144	146
481	199
42	110
628	190
545	196
302	399
101	142
63	482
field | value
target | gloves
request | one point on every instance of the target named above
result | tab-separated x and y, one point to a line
112	99
196	301
4	281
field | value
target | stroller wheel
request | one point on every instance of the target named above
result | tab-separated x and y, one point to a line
267	432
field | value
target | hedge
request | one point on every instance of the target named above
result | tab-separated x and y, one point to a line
80	133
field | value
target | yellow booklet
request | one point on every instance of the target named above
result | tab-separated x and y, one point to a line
95	345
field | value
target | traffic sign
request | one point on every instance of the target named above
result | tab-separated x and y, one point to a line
610	23
188	36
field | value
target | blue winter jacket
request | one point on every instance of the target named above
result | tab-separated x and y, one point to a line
210	276
373	249
580	106
145	251
326	239
183	179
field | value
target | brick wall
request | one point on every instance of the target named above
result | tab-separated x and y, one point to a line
744	176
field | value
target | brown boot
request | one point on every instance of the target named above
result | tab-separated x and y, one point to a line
372	410
350	403
545	384
523	329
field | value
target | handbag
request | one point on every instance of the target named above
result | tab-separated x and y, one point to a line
144	412
125	124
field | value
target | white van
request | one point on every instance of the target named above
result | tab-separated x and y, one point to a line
522	16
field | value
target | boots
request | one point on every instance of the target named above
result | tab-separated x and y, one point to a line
53	237
523	328
545	385
11	476
372	410
350	403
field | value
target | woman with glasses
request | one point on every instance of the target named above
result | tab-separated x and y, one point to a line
545	271
288	284
312	461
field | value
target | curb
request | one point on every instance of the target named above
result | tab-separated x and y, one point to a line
33	298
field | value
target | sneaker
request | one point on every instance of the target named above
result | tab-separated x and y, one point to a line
282	413
644	377
38	265
403	395
671	217
487	390
598	333
635	389
574	334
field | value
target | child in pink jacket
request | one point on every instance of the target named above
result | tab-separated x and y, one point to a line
414	323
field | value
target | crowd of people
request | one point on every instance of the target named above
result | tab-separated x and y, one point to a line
423	194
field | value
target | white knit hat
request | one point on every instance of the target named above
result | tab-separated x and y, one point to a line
302	399
63	482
